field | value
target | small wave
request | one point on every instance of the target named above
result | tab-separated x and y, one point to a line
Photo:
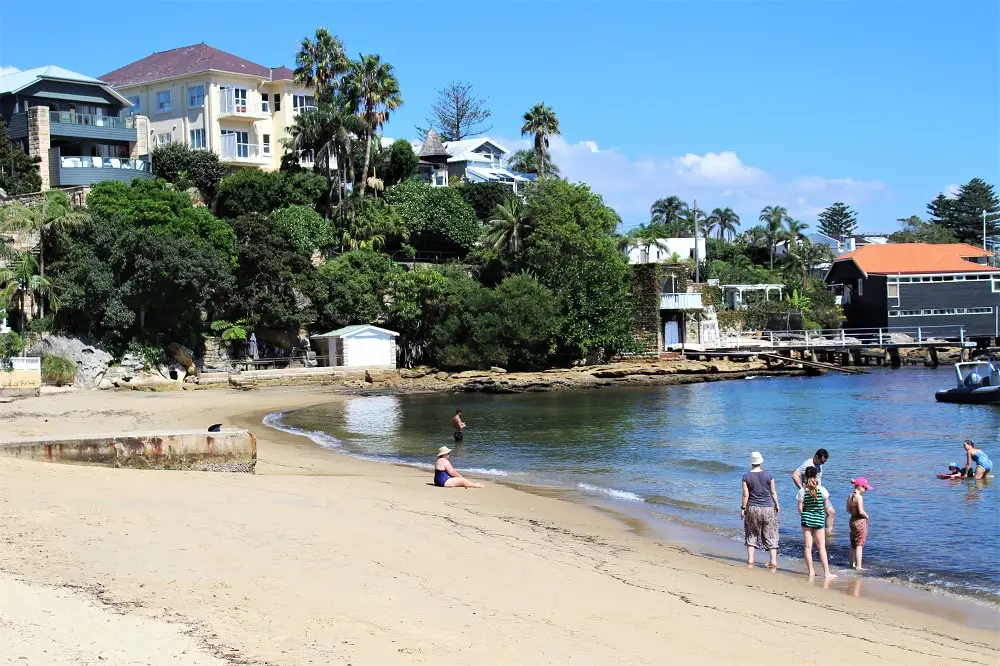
680	504
487	472
612	492
326	440
706	465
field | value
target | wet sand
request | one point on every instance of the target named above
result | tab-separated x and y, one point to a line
322	558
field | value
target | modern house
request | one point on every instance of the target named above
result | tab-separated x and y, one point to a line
74	124
358	346
472	160
213	100
666	249
911	285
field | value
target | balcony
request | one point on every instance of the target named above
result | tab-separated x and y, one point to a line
70	170
231	106
91	126
244	153
681	302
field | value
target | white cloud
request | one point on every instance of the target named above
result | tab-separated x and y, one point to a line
951	191
721	179
4	70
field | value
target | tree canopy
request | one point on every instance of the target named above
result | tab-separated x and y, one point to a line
458	113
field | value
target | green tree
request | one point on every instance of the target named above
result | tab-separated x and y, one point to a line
669	214
484	197
940	211
18	170
399	163
252	191
973	199
354	288
508	227
774	219
645	236
373	87
23	281
916	230
458	113
40	220
307	228
725	220
794	232
838	221
540	122
321	62
529	161
372	226
182	166
437	218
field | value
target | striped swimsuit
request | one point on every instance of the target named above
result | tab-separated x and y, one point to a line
813	509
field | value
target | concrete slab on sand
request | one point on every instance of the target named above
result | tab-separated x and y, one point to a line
230	450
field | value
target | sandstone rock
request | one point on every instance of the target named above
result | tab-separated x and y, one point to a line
442	376
498	371
470	374
91	363
415	373
242	383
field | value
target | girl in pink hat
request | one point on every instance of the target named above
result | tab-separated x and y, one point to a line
859	520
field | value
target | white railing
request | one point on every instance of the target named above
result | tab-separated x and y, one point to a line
26	363
91	119
231	105
846	337
233	151
681	302
81	162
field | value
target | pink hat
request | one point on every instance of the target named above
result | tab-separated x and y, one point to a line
863	482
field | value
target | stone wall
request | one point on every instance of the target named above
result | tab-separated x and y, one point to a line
38	140
646	282
141	145
226	451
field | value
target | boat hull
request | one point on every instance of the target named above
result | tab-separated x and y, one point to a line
979	396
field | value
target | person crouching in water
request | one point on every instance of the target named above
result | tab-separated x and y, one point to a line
859	520
446	476
814	505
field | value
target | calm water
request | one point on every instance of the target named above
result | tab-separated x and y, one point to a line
680	452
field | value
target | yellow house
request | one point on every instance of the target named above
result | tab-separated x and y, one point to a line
213	100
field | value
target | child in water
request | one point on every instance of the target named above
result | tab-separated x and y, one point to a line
859	520
954	472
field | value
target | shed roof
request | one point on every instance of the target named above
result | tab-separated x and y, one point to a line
354	329
899	258
432	146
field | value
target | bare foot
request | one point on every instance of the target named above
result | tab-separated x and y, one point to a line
750	564
860	569
812	574
772	565
830	576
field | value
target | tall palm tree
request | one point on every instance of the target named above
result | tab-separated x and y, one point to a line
540	121
528	161
509	226
725	220
372	223
645	236
321	62
795	229
774	218
373	87
23	280
39	221
667	212
690	220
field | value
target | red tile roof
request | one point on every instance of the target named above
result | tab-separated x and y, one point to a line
897	258
189	60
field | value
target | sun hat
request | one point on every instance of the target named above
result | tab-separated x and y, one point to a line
955	465
443	451
863	482
756	458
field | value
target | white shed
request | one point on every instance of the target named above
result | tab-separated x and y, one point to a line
358	346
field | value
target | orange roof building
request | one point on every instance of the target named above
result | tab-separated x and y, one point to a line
946	291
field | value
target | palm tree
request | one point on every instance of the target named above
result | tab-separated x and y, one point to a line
725	220
509	226
803	257
540	121
689	221
54	213
23	280
775	218
374	89
795	229
371	224
528	161
321	62
667	212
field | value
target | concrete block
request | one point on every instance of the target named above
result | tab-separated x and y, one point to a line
231	450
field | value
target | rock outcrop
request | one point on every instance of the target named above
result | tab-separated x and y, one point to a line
91	363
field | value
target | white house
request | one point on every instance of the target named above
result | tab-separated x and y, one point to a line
481	160
358	346
665	248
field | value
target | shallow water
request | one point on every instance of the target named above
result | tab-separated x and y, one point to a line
680	452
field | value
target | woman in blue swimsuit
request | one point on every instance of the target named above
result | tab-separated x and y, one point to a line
446	476
977	459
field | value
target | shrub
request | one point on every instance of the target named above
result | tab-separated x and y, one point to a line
58	371
182	166
253	191
11	344
484	197
307	228
438	218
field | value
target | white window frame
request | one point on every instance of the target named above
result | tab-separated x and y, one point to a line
861	287
265	144
242	147
164	138
196	92
301	101
194	134
160	107
265	104
996	285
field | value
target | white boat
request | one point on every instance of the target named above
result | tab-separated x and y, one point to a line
978	383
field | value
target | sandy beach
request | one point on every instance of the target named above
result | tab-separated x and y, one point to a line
320	558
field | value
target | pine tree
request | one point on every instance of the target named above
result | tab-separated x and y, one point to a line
940	210
838	221
966	210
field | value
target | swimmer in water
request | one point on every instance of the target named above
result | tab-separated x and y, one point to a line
459	425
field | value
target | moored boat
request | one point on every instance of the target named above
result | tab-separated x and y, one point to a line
978	383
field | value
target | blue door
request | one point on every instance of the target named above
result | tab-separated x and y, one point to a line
671	334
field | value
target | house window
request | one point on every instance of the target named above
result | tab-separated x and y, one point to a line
893	291
265	107
163	139
277	102
996	285
163	101
240	99
197	137
861	289
267	144
300	102
196	96
136	104
240	146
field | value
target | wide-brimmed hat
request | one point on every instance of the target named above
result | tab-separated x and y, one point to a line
443	451
955	465
756	458
863	482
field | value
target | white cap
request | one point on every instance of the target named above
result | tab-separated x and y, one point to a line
756	458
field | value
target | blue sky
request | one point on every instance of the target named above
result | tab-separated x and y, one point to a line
882	104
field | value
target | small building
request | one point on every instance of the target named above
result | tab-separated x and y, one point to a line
481	160
667	249
358	346
733	294
76	125
911	285
433	164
